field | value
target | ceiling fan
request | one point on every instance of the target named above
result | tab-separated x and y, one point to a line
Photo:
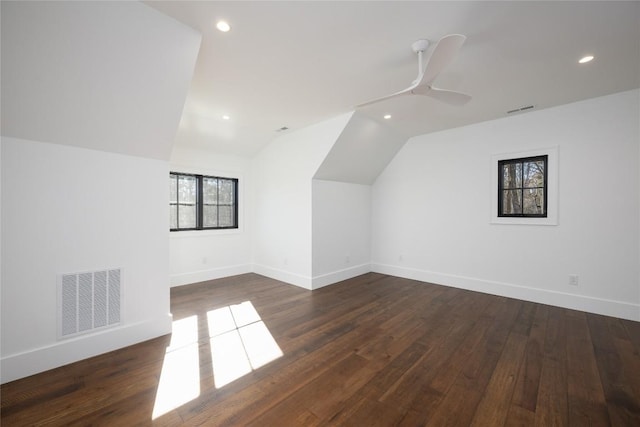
443	54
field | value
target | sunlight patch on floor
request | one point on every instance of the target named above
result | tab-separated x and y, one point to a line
229	358
180	376
259	344
240	342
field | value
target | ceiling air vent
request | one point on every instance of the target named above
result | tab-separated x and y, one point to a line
521	109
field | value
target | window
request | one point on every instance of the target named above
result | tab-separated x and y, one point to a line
522	187
199	202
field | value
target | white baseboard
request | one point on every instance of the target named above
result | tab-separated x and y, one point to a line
602	306
284	276
204	275
340	275
62	353
274	273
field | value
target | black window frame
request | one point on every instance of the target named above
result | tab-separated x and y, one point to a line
522	160
200	202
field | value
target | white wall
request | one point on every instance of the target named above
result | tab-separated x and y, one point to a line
282	211
341	238
197	256
431	209
65	210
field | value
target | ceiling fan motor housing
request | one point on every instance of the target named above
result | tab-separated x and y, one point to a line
420	45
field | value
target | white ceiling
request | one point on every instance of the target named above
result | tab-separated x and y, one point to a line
373	145
297	63
109	76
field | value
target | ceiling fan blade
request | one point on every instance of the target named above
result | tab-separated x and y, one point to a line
448	96
442	55
406	91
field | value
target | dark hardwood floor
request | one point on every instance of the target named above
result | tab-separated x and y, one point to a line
373	350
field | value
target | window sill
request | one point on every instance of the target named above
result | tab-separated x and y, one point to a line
203	233
524	221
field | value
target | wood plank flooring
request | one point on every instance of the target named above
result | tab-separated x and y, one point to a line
375	350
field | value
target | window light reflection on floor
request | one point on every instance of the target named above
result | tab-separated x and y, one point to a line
180	376
240	342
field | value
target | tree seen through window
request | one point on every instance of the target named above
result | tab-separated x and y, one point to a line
522	187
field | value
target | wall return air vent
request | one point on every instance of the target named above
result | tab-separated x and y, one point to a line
88	301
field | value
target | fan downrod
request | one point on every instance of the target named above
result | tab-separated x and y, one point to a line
419	46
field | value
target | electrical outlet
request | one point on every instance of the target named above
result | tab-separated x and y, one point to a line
573	280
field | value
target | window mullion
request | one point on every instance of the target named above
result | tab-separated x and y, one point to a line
235	203
522	188
177	202
217	202
500	187
199	200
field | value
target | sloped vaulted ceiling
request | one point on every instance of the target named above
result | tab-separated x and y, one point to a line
110	76
361	152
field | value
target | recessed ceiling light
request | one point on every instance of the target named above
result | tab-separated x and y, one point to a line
387	116
225	117
223	26
586	59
